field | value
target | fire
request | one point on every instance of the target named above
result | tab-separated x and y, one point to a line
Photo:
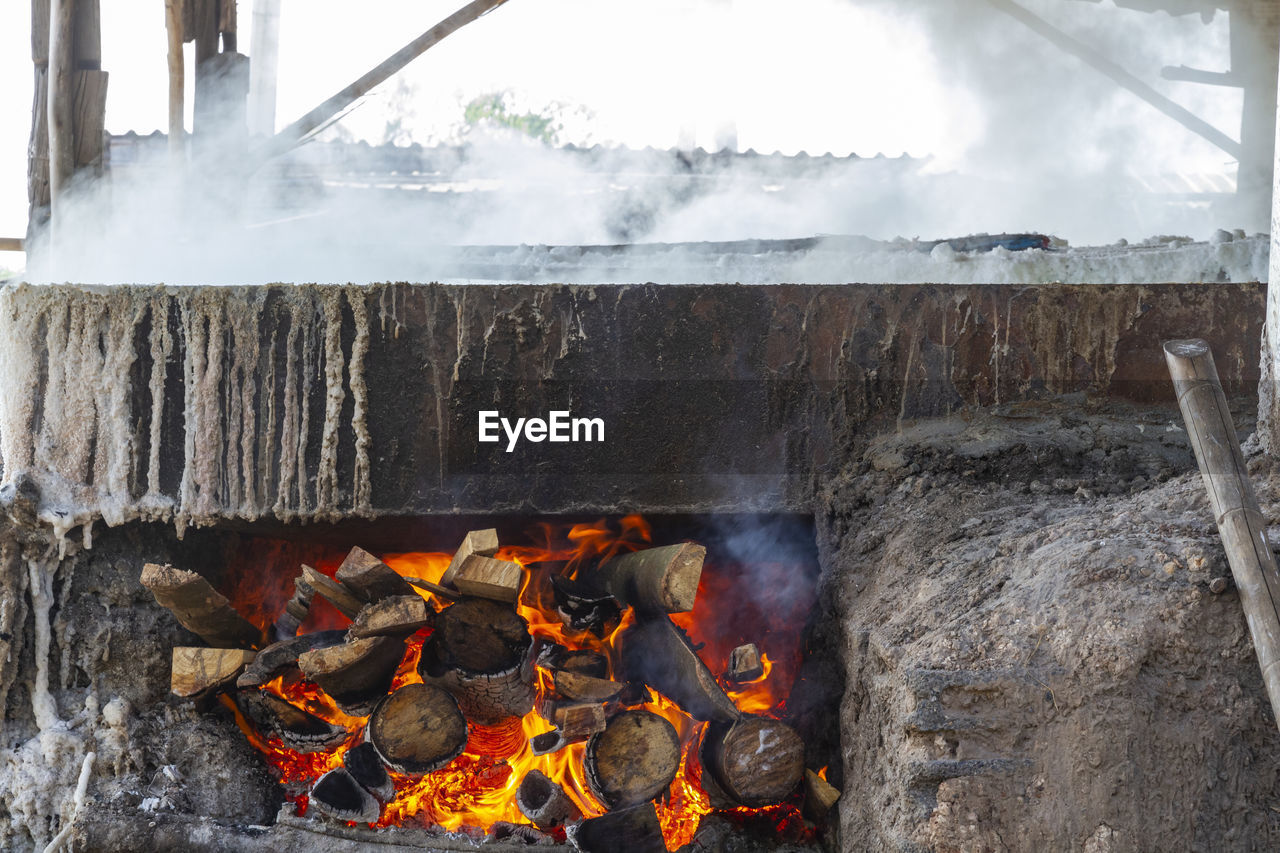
477	789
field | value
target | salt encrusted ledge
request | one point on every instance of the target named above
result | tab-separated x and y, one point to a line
310	403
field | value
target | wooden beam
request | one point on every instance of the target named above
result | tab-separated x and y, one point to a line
12	244
1184	74
61	98
264	49
1091	57
322	115
177	76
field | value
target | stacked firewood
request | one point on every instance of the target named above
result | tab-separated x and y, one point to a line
480	665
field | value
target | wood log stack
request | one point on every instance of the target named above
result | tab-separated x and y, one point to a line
478	664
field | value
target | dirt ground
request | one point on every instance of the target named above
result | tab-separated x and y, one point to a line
1034	658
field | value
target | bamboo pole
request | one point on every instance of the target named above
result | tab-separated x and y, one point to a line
177	75
61	99
320	116
1235	506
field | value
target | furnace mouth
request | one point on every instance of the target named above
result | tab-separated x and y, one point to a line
552	679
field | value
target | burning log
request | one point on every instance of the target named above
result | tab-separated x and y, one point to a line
548	742
370	578
198	672
544	802
200	608
755	761
584	688
356	674
633	760
579	722
745	664
364	765
656	580
485	577
398	616
279	657
659	654
482	542
480	652
635	830
418	729
581	661
435	589
335	593
296	610
275	718
338	795
819	796
580	610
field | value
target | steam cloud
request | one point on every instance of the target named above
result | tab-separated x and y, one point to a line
1055	148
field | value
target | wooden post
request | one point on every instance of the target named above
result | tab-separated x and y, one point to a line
1255	63
177	77
264	50
1235	506
60	100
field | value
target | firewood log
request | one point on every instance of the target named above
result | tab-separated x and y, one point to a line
279	657
335	593
659	654
582	661
480	652
200	608
299	730
418	729
744	664
296	610
819	796
579	722
544	802
755	761
397	616
198	671
656	580
442	592
356	674
485	577
337	795
633	760
584	688
633	830
482	542
370	578
364	765
583	608
547	742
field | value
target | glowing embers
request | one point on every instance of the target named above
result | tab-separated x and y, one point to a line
562	696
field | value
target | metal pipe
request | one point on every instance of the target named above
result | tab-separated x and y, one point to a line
1235	506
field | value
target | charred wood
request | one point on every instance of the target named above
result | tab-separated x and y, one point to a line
364	765
336	794
634	830
296	610
356	674
418	729
585	688
659	654
279	657
480	652
582	661
544	802
299	730
581	610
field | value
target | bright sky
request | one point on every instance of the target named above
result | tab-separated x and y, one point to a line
819	75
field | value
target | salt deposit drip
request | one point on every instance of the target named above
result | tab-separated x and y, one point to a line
327	475
41	592
361	488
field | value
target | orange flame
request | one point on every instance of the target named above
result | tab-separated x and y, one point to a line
477	789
